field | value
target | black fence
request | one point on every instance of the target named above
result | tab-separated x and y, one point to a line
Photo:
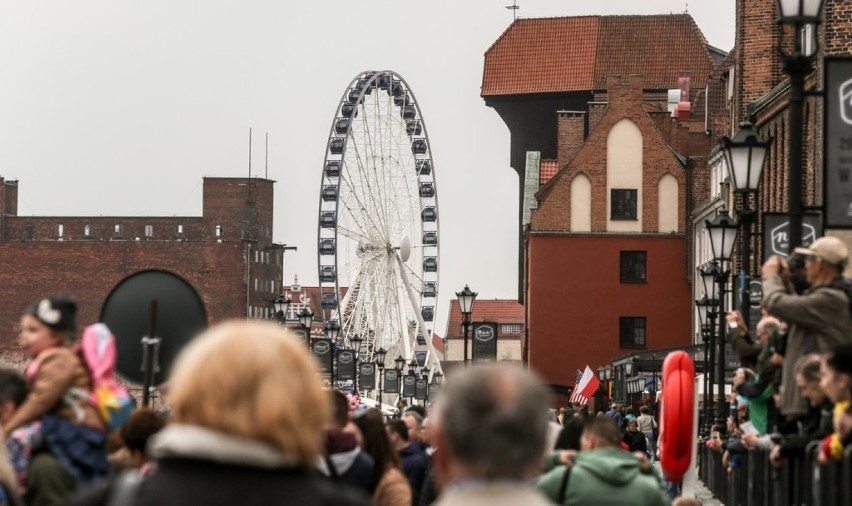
756	482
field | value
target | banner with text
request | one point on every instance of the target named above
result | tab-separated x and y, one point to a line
346	365
391	383
367	376
837	183
485	341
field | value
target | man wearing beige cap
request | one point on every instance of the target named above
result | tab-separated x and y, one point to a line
818	319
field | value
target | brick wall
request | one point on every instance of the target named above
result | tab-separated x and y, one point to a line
232	276
758	62
625	101
571	133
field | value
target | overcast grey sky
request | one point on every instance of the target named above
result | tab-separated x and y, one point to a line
120	108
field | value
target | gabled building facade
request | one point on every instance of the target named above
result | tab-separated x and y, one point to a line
610	137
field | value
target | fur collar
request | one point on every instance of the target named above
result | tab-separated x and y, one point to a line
192	441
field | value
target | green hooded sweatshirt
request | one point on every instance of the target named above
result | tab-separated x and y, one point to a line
606	476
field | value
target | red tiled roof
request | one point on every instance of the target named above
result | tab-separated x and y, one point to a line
542	55
553	55
494	310
547	170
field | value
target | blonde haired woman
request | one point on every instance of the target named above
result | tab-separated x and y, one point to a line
246	424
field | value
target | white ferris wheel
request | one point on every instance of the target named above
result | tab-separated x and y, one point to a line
378	238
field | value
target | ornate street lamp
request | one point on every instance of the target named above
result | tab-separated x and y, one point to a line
803	16
280	306
722	231
746	153
399	363
437	377
306	317
332	330
466	299
723	234
380	356
355	343
706	310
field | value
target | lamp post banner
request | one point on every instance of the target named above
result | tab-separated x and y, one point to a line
433	391
322	350
421	389
776	235
391	384
837	101
408	382
485	341
301	335
345	365
367	376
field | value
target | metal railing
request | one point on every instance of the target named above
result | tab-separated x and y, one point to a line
756	482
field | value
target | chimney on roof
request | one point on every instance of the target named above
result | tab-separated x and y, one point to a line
684	106
570	135
624	93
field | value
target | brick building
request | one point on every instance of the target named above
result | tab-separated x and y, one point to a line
227	254
762	91
507	314
610	179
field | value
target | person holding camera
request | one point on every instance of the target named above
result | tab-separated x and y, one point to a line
818	319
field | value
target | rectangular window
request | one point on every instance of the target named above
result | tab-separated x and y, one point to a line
60	231
87	231
28	232
179	231
624	204
511	328
119	231
632	331
149	231
633	266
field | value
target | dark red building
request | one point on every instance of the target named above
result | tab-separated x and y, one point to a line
227	254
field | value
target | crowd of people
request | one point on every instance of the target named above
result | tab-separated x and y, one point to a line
248	420
794	385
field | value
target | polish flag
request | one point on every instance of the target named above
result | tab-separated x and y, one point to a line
586	387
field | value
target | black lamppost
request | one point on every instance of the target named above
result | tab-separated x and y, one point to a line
706	308
466	300
380	355
723	234
306	318
280	306
800	14
355	342
437	377
745	154
413	367
711	294
399	363
332	330
604	375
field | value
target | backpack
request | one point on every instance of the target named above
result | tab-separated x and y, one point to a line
112	401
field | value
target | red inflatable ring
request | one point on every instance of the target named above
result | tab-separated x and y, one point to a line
677	415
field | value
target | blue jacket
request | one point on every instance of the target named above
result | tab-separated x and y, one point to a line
414	464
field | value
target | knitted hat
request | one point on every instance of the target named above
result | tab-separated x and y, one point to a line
58	313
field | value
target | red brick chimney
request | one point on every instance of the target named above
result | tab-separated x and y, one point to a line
571	134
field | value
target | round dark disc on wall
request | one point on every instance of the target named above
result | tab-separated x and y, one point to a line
180	316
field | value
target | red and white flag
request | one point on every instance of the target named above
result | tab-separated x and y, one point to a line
585	386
